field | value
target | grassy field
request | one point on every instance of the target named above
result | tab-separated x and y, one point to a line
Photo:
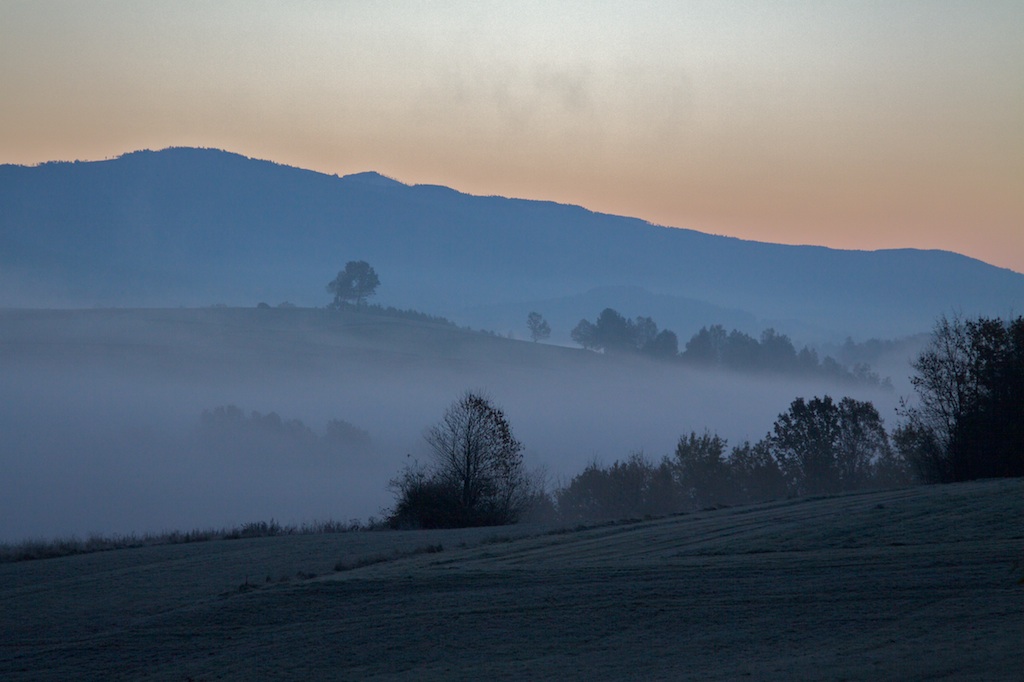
913	584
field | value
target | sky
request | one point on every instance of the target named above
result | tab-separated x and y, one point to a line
851	124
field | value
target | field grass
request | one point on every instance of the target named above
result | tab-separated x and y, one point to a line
33	550
912	584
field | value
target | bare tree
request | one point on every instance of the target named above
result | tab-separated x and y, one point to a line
969	420
945	384
479	461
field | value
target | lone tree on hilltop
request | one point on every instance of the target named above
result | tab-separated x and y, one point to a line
357	282
539	327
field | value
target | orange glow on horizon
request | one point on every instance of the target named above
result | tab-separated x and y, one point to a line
830	123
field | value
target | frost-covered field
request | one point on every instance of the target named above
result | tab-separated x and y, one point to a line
911	584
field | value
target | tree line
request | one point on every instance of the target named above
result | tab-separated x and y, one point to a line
969	423
774	352
713	346
261	438
816	447
611	332
476	475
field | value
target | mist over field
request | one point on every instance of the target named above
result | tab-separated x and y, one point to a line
102	414
674	340
109	416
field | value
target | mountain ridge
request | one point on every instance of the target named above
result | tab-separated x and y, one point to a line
187	226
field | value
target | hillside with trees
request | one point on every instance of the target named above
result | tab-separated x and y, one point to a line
712	347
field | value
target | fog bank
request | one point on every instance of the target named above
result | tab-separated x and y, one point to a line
102	412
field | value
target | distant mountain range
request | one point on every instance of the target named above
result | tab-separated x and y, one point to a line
194	227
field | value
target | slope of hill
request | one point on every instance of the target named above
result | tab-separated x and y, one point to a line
908	584
194	227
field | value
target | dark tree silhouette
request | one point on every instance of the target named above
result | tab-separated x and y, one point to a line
702	470
630	489
774	352
539	327
613	333
644	330
969	422
357	282
665	344
863	444
777	351
826	448
476	476
817	447
742	351
707	346
803	443
755	473
585	334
